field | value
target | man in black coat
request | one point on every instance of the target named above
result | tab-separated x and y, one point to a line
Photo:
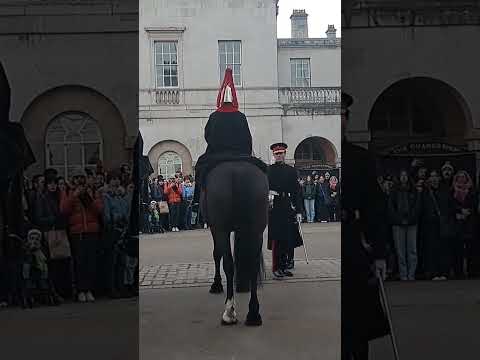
286	207
362	316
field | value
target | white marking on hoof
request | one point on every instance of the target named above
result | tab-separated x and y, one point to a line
229	315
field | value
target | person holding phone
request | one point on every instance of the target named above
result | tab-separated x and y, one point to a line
83	208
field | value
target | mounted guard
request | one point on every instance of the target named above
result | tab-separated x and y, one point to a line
234	198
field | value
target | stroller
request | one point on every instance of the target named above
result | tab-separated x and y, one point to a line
36	285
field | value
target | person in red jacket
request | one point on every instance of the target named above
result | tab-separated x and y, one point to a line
173	192
83	208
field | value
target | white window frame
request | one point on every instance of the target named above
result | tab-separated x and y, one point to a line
66	142
231	59
162	66
295	79
168	33
165	154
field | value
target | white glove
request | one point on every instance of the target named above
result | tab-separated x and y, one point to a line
270	201
381	268
299	218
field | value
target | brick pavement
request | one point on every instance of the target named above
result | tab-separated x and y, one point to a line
201	274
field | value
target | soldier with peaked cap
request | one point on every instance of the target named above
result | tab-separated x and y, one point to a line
362	315
286	207
227	135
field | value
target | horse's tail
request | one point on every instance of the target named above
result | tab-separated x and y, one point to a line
244	253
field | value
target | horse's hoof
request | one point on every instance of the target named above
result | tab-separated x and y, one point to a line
253	320
216	288
229	323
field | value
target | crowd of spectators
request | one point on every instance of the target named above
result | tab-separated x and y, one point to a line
431	221
76	245
321	197
167	205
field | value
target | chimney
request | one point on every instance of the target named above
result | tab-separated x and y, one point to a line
299	24
331	32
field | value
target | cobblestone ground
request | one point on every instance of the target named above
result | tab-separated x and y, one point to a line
201	274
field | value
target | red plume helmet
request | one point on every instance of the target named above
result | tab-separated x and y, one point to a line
227	96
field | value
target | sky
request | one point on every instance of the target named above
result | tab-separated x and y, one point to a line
321	13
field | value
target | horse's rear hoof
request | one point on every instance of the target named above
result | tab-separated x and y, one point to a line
226	323
216	288
253	320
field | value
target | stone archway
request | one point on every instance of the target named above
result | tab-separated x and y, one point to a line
70	99
315	151
419	109
171	149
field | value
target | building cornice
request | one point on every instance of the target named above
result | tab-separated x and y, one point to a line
309	43
409	13
165	29
68	17
67	7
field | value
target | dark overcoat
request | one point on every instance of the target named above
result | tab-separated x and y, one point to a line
282	226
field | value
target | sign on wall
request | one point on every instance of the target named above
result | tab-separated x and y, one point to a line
433	155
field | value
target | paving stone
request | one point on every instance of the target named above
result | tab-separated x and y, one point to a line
188	275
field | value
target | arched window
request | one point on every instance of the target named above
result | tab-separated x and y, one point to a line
169	163
310	149
73	141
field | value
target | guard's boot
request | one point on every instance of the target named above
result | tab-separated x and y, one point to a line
286	273
290	264
278	275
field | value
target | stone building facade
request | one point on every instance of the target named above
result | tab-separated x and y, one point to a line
73	115
289	89
418	87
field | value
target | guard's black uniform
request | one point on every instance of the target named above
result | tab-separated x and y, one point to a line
362	316
283	235
229	139
227	136
15	156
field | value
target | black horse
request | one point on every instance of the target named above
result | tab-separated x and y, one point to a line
236	200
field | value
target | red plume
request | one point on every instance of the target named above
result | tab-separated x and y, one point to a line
227	81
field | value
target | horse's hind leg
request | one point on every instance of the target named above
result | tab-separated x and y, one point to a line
253	316
217	287
229	316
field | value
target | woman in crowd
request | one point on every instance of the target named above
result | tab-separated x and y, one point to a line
62	185
335	198
156	189
83	208
187	199
322	200
403	209
53	225
438	216
116	216
308	191
38	185
173	191
465	219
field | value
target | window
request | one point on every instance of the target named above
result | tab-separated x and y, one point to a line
166	64
169	164
230	54
73	141
410	107
300	72
310	150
